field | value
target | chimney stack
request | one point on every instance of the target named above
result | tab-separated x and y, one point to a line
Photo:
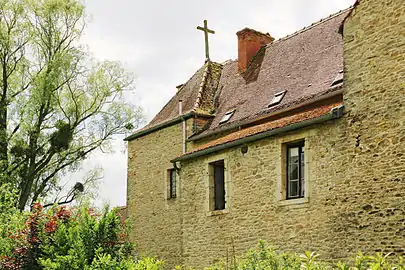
249	43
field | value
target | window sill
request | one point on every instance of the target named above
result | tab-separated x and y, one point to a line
217	212
300	201
171	200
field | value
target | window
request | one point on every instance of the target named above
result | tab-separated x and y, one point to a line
217	183
277	98
226	117
172	184
338	79
295	171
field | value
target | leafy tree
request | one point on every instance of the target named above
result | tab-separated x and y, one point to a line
57	104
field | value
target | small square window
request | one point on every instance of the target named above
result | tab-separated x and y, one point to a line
226	117
295	171
172	175
277	98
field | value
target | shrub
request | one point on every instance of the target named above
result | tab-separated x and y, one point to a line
13	231
62	238
264	257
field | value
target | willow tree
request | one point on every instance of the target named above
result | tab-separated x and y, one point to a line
57	104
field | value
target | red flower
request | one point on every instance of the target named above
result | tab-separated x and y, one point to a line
37	207
50	226
63	214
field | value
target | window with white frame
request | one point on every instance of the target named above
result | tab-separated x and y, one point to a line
295	170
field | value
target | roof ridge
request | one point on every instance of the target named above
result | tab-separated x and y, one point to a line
201	87
325	19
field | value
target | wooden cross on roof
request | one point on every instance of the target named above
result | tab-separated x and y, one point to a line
206	31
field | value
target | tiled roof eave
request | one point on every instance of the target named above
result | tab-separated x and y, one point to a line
165	124
334	113
332	91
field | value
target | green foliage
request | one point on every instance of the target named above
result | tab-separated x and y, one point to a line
62	238
13	230
264	257
309	261
148	264
12	223
57	104
80	239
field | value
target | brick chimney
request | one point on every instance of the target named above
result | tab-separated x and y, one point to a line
249	43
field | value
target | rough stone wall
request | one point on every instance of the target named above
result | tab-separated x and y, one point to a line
155	219
255	210
356	164
356	169
371	192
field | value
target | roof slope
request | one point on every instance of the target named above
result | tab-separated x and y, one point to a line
283	122
304	64
194	94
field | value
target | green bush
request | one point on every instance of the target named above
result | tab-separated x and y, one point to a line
80	238
62	238
264	257
13	230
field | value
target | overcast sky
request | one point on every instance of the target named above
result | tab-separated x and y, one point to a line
157	40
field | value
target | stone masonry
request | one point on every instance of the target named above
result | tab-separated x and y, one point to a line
355	169
155	219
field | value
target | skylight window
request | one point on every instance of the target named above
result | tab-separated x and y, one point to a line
338	79
277	98
226	116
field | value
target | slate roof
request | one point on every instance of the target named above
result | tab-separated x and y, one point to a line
304	64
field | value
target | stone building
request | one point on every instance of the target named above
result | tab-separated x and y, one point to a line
300	142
